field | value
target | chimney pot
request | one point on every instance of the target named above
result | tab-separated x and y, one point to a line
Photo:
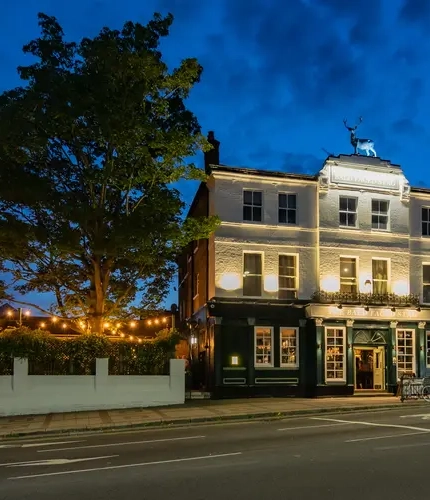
212	156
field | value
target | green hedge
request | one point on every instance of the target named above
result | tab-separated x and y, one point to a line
49	355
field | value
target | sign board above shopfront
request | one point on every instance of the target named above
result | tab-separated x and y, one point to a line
359	313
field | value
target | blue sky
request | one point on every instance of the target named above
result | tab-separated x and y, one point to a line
279	75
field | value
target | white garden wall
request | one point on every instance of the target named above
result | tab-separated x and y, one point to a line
23	394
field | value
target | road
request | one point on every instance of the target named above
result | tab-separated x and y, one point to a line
352	456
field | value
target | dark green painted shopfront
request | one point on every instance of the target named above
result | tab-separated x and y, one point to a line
312	349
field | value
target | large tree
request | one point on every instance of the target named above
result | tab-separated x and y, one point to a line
90	150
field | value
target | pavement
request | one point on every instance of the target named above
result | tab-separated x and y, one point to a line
189	413
370	455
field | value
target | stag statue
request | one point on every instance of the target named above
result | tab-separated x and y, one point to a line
363	144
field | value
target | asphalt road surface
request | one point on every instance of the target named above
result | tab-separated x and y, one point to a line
329	457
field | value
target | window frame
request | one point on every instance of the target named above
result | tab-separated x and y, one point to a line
423	283
261	254
344	367
380	214
388	260
414	359
252	206
296	277
427	348
427	222
347	211
272	361
297	347
286	209
356	259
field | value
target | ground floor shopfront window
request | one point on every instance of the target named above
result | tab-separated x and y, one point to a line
335	361
405	349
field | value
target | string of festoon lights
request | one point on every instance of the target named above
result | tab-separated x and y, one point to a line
112	328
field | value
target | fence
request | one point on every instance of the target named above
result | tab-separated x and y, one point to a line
24	394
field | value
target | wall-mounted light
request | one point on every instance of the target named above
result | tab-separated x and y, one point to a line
193	340
229	281
271	284
234	360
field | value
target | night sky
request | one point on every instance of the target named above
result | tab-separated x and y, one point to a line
279	75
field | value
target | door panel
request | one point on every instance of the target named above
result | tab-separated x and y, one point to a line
379	368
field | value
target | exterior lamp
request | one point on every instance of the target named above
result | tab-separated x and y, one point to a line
131	337
64	326
42	325
27	313
54	319
156	321
234	360
164	320
106	325
149	322
193	340
132	324
9	313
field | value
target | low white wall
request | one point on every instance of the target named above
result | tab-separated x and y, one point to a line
23	394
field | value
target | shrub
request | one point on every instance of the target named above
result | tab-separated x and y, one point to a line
49	355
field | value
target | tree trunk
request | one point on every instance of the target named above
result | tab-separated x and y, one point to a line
97	297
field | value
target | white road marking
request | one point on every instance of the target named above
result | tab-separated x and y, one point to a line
128	466
395	447
109	445
424	416
310	427
374	424
57	461
36	445
384	437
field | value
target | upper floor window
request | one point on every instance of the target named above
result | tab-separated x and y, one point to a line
380	276
253	206
287	277
347	211
426	283
348	274
287	208
425	221
252	274
380	214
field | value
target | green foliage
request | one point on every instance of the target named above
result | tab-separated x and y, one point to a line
91	148
49	355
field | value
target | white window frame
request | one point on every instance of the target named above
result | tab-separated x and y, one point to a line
426	222
380	214
422	280
428	348
351	257
414	359
296	347
326	349
347	211
271	334
286	209
262	272
252	206
388	273
296	271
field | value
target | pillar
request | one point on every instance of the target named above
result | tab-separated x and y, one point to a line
391	361
421	349
320	341
303	365
350	352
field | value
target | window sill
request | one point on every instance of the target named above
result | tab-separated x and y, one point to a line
350	228
252	221
289	367
265	367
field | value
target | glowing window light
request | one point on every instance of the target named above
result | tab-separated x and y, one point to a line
106	325
54	319
156	321
131	337
64	325
122	335
164	320
149	322
9	313
42	325
133	324
118	325
140	341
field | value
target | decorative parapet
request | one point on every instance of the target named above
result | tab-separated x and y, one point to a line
389	299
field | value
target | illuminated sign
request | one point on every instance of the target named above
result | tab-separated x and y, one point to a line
325	311
364	178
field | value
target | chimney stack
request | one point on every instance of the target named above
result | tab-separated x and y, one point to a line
212	156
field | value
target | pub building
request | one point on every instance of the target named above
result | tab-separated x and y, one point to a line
312	285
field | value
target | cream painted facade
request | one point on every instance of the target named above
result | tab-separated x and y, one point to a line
316	239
